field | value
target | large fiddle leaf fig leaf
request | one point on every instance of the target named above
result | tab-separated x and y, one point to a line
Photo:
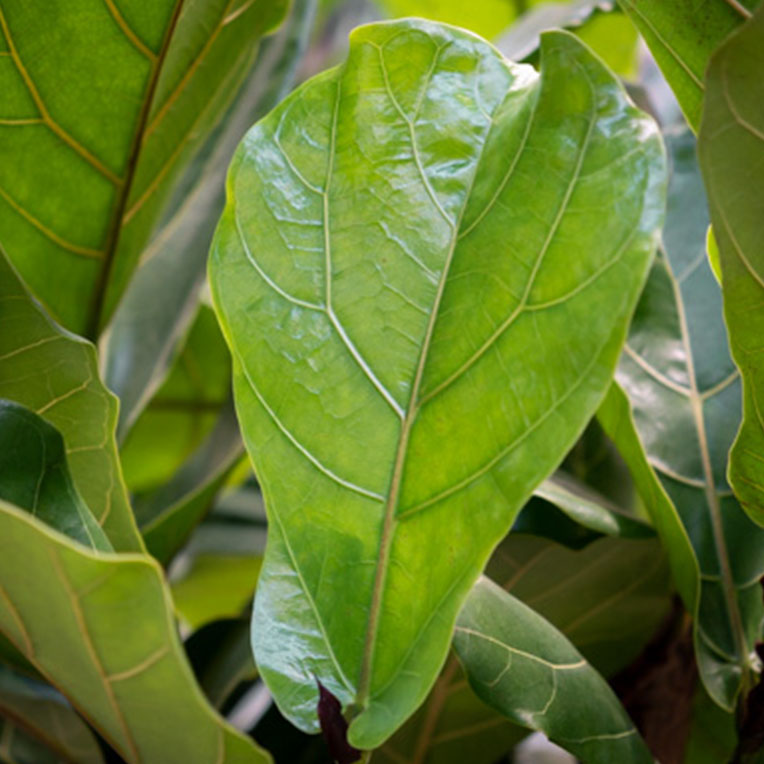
731	147
424	272
684	392
45	713
519	664
55	374
85	174
34	475
607	599
113	646
682	35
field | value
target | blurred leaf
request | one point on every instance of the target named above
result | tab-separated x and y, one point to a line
519	664
612	37
169	515
487	18
221	656
385	368
113	644
34	475
730	149
183	412
45	713
684	391
607	599
55	374
17	746
682	35
712	735
85	175
162	297
215	586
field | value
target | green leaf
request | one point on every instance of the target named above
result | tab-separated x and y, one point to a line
46	714
160	301
685	395
55	374
183	412
17	746
34	475
113	646
608	599
369	216
519	664
168	516
86	175
730	148
682	37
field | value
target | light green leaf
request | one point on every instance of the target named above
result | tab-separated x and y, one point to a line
34	475
519	664
114	644
46	713
730	147
160	301
607	599
55	374
184	411
85	175
685	396
682	36
424	272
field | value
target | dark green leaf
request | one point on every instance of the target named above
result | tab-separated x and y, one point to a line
46	714
34	475
423	312
730	145
682	35
519	664
685	396
55	375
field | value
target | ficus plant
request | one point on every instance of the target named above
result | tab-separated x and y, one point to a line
373	392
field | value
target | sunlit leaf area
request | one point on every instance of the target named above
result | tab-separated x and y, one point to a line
381	381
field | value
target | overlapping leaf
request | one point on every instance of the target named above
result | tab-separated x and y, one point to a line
684	392
731	147
521	665
84	174
55	375
113	646
424	272
682	35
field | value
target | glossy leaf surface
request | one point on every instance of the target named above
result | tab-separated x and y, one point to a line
55	375
607	599
159	304
682	35
34	475
113	646
519	664
85	175
46	714
685	396
423	314
730	147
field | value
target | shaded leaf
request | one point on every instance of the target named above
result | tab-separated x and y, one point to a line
161	299
682	36
55	374
378	404
684	392
730	148
34	475
46	714
114	644
518	663
608	599
85	176
17	746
